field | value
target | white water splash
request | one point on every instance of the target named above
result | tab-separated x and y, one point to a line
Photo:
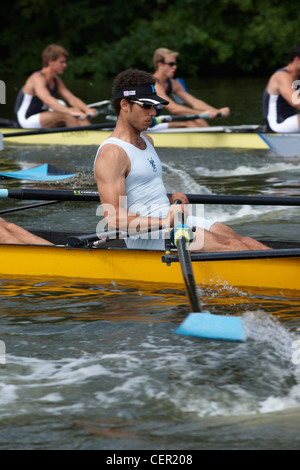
180	180
246	170
279	343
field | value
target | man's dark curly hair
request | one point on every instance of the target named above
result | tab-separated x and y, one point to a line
127	79
295	52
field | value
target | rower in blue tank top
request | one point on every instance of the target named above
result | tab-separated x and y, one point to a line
165	67
129	176
38	96
28	107
281	96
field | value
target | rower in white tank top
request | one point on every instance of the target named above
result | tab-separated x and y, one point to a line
146	193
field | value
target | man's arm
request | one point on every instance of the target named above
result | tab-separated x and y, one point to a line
111	168
40	89
73	100
283	84
192	105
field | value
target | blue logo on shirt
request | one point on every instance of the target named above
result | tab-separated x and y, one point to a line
152	163
153	88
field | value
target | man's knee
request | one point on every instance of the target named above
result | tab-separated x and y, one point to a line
8	226
3	223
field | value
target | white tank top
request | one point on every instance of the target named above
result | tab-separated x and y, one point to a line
145	190
146	193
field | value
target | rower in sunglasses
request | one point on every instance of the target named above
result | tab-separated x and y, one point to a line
129	177
165	66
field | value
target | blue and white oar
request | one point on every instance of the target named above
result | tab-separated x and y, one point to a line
285	145
201	324
187	117
44	172
168	118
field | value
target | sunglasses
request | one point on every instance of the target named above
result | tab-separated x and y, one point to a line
171	64
145	105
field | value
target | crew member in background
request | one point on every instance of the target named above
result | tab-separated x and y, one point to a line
38	95
281	96
165	66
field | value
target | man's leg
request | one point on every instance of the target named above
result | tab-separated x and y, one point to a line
223	238
13	234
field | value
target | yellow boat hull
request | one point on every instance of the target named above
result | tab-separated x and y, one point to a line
184	138
119	265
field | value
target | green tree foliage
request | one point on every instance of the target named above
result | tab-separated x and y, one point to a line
104	37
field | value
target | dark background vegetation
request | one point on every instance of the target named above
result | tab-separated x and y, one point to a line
214	37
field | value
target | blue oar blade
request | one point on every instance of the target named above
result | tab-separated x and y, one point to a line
209	326
44	172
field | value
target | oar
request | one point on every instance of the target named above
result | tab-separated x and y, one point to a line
31	206
86	195
187	117
44	172
99	104
95	239
92	127
285	145
201	324
103	110
241	200
50	194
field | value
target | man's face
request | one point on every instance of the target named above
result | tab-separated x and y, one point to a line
141	118
170	66
58	65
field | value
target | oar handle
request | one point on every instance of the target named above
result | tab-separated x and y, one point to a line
181	230
186	117
99	112
99	104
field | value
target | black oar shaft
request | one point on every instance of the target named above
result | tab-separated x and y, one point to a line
241	200
85	195
50	194
31	206
182	238
188	275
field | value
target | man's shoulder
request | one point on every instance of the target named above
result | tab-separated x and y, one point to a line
281	78
111	158
36	78
111	147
